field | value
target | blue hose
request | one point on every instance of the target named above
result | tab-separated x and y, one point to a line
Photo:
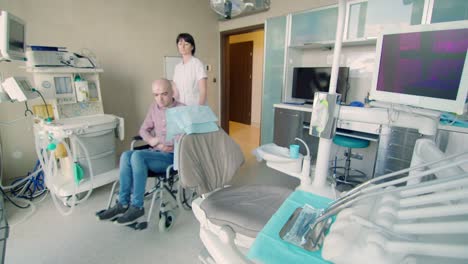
34	185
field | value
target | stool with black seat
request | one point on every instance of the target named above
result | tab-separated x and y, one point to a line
164	182
348	178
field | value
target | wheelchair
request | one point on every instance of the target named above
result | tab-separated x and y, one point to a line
166	188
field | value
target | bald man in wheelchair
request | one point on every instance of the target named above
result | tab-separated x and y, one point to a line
134	164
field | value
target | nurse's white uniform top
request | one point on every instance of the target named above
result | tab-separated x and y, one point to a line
186	77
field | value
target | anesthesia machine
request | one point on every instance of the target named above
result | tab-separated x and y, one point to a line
74	139
81	137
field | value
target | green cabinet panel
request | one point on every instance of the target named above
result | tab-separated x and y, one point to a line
314	26
275	41
449	10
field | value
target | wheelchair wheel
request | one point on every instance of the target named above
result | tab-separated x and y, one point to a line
166	221
185	196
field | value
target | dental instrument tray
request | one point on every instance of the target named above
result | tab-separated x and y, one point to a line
313	238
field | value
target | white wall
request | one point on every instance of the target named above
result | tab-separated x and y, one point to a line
257	70
129	38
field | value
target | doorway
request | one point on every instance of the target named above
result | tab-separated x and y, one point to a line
242	52
232	37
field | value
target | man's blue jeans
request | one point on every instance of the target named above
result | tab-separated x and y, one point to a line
134	166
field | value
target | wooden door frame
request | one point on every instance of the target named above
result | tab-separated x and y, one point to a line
225	89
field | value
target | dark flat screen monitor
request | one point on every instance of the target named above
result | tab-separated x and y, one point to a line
308	80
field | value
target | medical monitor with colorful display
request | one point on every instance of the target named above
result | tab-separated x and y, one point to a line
424	67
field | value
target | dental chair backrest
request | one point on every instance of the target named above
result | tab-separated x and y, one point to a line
208	161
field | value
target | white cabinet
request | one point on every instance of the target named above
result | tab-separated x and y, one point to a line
306	39
366	19
317	28
385	14
355	25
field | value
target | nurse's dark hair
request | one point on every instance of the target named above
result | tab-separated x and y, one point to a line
187	38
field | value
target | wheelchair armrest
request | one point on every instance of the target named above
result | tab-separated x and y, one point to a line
135	140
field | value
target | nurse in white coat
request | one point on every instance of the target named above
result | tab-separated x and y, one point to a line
190	78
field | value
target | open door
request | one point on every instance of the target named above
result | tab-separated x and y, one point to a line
225	71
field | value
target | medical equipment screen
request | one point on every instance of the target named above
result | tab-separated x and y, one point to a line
16	36
63	85
428	64
308	80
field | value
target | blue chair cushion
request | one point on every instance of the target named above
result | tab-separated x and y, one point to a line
350	142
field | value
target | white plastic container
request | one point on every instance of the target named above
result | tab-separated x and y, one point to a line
95	142
278	158
101	163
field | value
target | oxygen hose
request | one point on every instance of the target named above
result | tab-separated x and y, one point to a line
90	168
50	168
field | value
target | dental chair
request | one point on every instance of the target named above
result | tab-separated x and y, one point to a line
419	218
165	188
207	162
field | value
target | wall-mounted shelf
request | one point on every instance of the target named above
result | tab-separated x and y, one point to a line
331	44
